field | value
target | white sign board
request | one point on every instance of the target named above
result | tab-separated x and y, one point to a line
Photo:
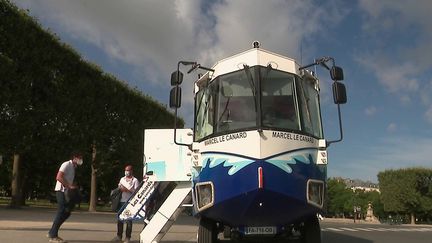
135	207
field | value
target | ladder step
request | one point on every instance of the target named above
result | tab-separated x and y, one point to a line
166	215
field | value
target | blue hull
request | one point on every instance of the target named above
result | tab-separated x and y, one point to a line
281	200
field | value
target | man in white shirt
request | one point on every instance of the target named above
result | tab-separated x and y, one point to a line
128	185
64	181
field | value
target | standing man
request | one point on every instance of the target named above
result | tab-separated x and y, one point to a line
128	185
65	181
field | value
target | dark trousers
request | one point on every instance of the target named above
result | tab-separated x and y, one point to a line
63	213
120	225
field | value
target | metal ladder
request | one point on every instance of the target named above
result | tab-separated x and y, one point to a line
168	212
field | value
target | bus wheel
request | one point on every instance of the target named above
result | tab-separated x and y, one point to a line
311	231
207	231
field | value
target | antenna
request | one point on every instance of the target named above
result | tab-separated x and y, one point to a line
301	52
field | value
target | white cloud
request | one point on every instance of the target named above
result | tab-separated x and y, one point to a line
370	111
404	151
150	35
393	152
391	127
388	14
405	99
395	77
279	25
403	69
385	16
153	35
425	94
428	114
162	32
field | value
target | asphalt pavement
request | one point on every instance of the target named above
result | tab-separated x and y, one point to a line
30	225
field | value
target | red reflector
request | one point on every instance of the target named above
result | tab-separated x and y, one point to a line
260	177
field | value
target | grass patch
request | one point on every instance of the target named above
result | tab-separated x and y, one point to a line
45	203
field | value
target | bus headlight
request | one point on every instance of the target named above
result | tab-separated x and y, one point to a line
315	192
205	195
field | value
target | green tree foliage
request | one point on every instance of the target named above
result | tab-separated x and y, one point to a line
406	191
378	207
341	199
53	102
362	198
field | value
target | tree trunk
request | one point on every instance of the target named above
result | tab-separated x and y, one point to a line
413	218
16	201
93	194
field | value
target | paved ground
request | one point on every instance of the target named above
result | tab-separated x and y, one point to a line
30	225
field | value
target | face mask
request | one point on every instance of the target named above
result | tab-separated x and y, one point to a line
127	173
79	161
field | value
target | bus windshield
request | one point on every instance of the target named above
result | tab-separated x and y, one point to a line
257	97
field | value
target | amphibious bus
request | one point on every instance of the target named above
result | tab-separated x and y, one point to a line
258	151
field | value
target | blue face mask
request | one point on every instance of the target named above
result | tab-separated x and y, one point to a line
127	173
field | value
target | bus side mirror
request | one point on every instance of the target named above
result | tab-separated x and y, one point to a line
339	93
175	97
336	73
176	78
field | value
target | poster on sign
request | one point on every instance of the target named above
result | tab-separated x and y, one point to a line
135	207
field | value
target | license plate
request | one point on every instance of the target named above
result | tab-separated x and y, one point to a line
267	230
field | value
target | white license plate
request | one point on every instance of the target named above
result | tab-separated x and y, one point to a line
267	230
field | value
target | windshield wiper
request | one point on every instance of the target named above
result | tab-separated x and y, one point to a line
306	100
199	108
206	105
225	110
251	83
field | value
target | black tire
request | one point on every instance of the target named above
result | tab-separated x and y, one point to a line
207	231
311	231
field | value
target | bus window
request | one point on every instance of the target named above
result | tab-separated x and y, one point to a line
310	110
279	106
236	103
204	112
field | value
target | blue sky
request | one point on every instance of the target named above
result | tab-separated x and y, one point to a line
384	47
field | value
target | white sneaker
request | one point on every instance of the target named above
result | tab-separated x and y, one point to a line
116	239
127	240
57	240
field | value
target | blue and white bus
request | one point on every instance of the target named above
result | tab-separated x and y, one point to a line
258	146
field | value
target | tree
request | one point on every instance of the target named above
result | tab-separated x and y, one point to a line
378	207
340	198
53	102
406	191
